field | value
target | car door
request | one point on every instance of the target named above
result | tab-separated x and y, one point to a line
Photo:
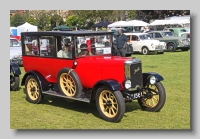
136	43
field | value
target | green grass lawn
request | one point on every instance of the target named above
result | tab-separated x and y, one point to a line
58	113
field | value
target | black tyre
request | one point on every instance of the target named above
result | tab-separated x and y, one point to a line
69	83
14	81
32	90
110	104
145	51
171	47
154	98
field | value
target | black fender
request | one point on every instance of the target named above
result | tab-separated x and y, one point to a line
43	83
15	68
146	75
113	84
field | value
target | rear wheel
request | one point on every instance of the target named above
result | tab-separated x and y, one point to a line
32	90
110	104
154	98
145	51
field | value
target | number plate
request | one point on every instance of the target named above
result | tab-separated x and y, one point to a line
136	95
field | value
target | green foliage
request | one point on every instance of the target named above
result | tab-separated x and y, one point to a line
132	14
58	113
74	20
17	20
57	19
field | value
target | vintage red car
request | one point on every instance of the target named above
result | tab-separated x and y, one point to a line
73	72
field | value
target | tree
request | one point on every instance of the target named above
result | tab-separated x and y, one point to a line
29	18
17	20
56	18
74	20
131	14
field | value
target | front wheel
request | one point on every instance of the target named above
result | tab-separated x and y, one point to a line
154	98
110	104
171	47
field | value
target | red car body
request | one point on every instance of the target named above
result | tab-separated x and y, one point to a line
103	67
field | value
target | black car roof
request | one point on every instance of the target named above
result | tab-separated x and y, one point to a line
67	33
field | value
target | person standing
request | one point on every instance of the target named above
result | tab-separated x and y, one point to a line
121	43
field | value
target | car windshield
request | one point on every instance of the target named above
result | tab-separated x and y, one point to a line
93	45
166	34
145	37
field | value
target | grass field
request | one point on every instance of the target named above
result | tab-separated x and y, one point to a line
57	113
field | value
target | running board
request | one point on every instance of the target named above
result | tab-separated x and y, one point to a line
58	94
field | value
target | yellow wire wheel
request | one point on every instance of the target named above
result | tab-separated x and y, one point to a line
32	90
110	104
69	83
154	97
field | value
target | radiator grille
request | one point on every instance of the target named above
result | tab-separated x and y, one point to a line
136	75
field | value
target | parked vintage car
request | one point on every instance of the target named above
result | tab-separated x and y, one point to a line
101	78
176	31
143	43
15	51
173	43
185	35
14	76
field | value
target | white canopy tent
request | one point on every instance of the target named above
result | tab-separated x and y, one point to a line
26	27
170	22
128	23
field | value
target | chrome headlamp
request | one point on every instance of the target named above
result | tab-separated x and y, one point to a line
127	84
152	79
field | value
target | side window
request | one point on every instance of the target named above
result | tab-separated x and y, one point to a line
47	46
151	34
157	35
65	50
31	45
134	38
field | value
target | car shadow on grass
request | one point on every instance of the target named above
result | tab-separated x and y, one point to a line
83	107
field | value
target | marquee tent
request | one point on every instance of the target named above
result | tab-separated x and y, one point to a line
136	23
26	27
170	22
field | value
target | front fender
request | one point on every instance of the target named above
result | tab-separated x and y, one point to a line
147	74
15	68
113	84
43	83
